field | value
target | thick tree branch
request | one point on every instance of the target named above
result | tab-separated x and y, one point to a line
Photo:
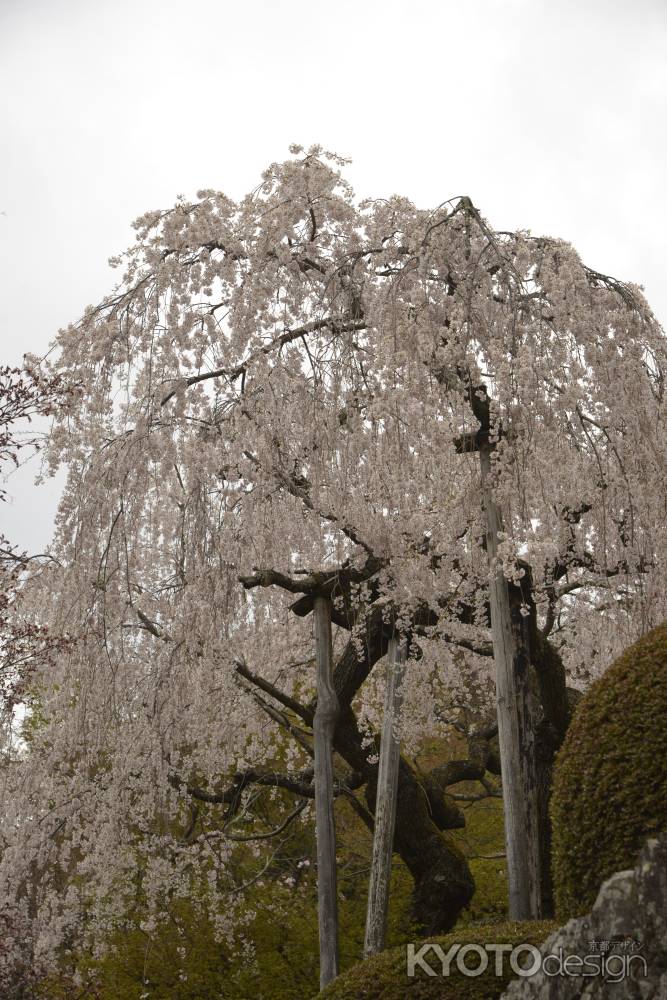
299	784
326	583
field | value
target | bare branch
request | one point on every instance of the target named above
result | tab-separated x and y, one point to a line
266	686
271	833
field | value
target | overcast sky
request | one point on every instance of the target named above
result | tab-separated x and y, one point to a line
550	114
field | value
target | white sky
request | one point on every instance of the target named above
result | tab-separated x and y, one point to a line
550	114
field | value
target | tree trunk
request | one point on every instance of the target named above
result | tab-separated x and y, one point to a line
443	883
324	724
556	713
518	717
385	804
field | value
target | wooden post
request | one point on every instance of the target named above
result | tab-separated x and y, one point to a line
385	804
324	724
517	718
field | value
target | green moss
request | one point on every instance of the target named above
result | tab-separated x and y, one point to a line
384	977
610	781
482	841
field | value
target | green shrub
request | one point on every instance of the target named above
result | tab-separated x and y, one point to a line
384	976
610	780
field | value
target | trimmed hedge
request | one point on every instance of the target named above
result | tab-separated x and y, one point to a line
610	778
384	976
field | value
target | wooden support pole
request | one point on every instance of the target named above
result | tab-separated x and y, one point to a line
517	705
324	724
385	804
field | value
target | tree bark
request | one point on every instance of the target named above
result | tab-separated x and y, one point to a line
443	883
385	806
518	717
556	713
324	724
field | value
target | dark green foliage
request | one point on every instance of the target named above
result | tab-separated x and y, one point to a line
384	977
610	785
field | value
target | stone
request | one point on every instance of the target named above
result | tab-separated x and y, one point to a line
621	944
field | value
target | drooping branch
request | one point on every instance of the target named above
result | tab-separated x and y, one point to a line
236	371
300	784
231	796
237	838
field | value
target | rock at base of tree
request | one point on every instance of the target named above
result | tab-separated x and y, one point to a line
627	925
